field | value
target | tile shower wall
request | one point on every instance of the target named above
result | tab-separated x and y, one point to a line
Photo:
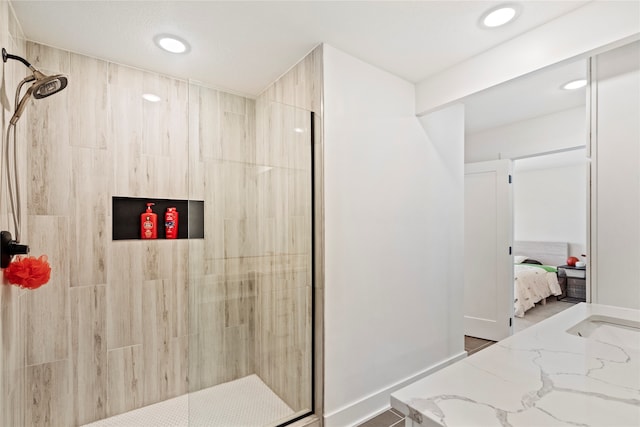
112	330
283	279
12	326
221	267
128	323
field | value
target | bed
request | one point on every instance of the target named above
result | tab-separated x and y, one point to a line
535	274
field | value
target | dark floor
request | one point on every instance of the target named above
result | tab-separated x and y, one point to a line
393	418
390	418
474	345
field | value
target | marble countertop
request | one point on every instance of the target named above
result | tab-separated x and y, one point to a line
542	376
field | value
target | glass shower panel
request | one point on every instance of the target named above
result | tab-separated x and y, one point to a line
250	278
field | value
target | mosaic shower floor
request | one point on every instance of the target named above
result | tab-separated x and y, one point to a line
246	402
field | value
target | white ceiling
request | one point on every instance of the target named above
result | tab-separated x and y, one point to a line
533	95
244	46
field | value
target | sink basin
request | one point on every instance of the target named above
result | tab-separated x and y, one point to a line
608	329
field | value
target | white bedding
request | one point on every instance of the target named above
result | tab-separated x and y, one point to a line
531	285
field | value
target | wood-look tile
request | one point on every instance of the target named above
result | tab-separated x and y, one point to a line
124	294
88	102
89	225
239	302
156	316
284	347
230	103
283	302
274	131
49	160
12	353
180	283
126	130
223	348
221	357
165	122
205	357
251	128
4	22
12	326
48	59
302	85
209	130
165	357
46	308
196	164
178	371
219	304
214	196
48	392
88	353
125	379
240	185
238	354
156	259
236	145
240	237
165	137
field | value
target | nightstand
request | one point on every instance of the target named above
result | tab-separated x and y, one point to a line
573	282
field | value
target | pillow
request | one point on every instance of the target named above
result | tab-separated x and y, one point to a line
519	259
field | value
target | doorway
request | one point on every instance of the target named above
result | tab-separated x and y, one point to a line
542	128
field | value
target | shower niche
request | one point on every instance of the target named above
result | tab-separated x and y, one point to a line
126	217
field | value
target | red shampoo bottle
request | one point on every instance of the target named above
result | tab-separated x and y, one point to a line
171	223
149	224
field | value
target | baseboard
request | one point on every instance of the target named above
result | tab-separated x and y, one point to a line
363	409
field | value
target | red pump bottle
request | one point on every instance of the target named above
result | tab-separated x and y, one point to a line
171	223
149	224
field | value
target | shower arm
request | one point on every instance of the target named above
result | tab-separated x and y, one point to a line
36	74
6	55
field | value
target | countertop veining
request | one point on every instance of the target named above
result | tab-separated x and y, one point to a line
542	376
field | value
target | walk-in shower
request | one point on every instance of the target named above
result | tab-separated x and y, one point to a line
213	328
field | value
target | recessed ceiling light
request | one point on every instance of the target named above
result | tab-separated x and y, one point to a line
499	16
574	84
298	130
171	43
151	97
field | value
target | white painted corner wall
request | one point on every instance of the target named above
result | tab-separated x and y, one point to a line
552	132
393	221
615	201
551	205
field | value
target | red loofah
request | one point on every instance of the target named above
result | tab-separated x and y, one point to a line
28	272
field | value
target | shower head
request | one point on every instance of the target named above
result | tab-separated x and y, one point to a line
47	85
42	86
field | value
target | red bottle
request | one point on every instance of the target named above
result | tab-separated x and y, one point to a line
149	224
171	223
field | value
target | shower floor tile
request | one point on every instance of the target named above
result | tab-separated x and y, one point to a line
246	402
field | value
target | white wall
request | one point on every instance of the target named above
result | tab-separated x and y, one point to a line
551	205
557	131
596	25
393	220
615	208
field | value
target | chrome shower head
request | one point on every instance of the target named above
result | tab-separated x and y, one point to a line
42	86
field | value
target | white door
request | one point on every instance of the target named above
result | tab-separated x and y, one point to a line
488	237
